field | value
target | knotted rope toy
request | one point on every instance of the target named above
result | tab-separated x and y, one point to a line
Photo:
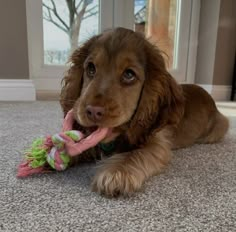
56	151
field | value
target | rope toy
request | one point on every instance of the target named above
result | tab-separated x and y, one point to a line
56	151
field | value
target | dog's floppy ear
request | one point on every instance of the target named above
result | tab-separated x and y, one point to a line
161	101
73	80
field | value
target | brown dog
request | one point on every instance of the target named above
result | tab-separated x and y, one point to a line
119	80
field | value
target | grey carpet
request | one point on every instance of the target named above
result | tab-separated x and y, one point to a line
196	193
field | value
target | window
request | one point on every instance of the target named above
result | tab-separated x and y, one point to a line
171	24
167	23
65	25
158	20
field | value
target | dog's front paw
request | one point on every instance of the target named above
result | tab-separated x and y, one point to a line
115	181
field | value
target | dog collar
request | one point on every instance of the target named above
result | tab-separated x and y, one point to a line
107	148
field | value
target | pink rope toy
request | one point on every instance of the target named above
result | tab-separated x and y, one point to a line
56	150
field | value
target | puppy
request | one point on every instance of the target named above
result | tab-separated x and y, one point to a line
119	80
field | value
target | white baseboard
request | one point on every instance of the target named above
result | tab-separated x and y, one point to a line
17	90
48	95
218	92
24	90
48	84
221	92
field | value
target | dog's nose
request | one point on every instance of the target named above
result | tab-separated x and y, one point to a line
95	113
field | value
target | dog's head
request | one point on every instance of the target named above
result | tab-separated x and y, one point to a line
119	80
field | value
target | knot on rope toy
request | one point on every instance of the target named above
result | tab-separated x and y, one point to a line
58	158
56	151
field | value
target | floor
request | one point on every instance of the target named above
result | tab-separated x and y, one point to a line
197	192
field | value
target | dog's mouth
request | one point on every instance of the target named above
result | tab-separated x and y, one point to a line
111	133
93	134
91	129
104	134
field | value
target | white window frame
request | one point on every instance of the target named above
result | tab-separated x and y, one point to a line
48	77
113	13
187	35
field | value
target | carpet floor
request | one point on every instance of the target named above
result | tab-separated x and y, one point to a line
197	192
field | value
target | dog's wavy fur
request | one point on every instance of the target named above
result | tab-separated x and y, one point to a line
150	117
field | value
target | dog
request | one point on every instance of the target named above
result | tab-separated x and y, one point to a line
119	80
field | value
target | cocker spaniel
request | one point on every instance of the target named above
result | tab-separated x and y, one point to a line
119	80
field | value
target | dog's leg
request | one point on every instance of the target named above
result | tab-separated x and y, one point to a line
124	173
219	126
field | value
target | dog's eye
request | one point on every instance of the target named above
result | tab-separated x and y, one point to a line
91	70
128	76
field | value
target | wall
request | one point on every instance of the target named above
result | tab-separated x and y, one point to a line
207	38
13	40
226	44
217	42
